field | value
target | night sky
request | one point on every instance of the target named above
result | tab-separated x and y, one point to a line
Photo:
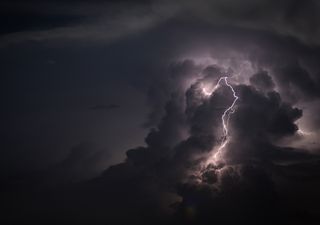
152	112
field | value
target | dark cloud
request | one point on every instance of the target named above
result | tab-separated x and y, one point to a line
262	81
246	192
165	179
174	54
104	107
269	115
84	162
28	21
297	81
244	187
290	17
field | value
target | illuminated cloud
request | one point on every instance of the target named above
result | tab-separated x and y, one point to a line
232	90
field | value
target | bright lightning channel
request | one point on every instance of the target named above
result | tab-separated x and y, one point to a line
225	116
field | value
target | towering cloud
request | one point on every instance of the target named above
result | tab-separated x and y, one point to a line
173	53
245	181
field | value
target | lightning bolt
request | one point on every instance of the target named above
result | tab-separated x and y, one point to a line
225	117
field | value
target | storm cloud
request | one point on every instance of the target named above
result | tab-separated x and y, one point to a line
170	67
